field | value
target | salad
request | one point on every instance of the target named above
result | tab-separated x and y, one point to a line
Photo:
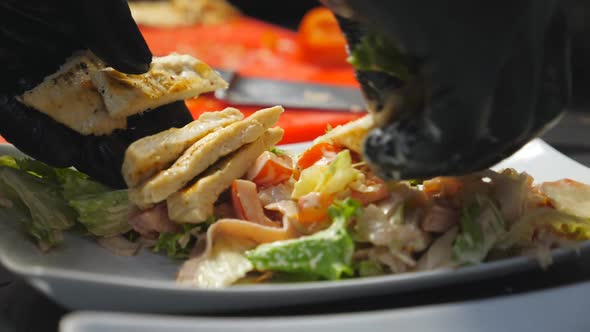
256	213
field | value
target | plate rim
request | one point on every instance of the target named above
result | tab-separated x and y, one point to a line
72	321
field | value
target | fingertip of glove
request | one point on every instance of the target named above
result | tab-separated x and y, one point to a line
111	33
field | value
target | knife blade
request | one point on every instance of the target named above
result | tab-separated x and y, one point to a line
269	92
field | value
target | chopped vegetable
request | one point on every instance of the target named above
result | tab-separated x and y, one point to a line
316	153
177	245
327	179
246	203
49	211
8	161
277	151
72	182
313	207
327	253
369	268
271	169
11	206
481	227
75	184
369	190
442	186
104	214
440	253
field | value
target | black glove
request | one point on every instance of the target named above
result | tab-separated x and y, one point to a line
36	37
485	78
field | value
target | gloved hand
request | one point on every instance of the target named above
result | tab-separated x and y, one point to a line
36	37
483	78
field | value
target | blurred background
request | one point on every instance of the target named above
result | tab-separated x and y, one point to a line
288	14
578	12
291	41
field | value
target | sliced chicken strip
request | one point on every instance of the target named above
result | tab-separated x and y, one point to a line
350	135
69	97
199	156
195	203
152	154
170	78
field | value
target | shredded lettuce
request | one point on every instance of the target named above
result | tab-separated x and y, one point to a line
327	253
177	245
369	268
327	179
104	214
481	227
277	151
375	53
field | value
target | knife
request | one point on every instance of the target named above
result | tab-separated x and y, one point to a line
269	92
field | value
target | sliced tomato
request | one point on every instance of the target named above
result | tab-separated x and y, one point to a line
442	186
376	190
320	38
271	169
246	203
313	207
317	153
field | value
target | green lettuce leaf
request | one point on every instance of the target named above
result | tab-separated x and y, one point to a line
104	214
12	207
46	200
369	268
72	182
327	253
481	228
48	210
75	184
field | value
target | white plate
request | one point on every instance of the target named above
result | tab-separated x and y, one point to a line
559	309
82	275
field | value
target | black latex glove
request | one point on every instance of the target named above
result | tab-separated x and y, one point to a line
487	76
36	37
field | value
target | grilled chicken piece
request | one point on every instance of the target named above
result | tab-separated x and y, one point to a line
202	154
170	78
350	135
195	203
69	97
92	99
152	154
